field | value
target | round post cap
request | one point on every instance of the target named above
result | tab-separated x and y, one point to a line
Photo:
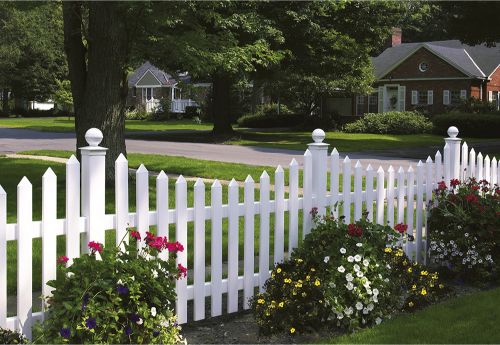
452	132
93	137
318	135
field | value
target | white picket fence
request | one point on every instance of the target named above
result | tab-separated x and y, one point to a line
398	197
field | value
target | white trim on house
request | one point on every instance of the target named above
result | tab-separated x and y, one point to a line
159	82
493	71
475	64
419	79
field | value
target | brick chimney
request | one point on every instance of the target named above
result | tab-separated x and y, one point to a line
396	37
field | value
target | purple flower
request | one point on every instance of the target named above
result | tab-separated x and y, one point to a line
65	332
134	317
85	301
128	330
122	289
156	333
90	323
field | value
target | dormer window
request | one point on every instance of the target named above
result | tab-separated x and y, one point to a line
423	66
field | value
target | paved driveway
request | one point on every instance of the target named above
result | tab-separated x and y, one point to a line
13	140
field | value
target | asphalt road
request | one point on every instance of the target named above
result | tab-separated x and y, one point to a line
13	140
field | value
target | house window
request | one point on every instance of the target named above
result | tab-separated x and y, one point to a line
360	105
422	97
149	93
423	66
134	92
455	96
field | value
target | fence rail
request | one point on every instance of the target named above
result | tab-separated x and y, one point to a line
392	196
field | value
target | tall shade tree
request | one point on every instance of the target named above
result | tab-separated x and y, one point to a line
31	50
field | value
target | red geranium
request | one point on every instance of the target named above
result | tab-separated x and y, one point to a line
401	228
471	198
95	247
62	260
314	211
441	185
454	182
157	242
354	230
136	235
182	270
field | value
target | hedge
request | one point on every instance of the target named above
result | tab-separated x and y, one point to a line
469	125
393	122
270	121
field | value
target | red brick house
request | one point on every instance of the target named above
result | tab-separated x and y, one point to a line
430	76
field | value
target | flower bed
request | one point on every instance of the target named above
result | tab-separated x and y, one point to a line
116	296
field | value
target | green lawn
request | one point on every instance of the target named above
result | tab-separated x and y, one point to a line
470	319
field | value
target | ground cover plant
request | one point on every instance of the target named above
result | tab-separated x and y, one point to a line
392	122
346	276
116	295
464	227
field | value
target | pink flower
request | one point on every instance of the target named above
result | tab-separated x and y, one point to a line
182	271
441	185
354	230
174	246
95	247
454	182
401	228
62	260
136	235
157	243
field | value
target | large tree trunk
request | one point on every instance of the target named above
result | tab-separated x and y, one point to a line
222	84
97	74
5	101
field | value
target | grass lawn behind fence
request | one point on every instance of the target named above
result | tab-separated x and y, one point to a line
470	319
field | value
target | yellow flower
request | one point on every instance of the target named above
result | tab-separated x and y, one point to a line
424	273
278	270
267	313
434	276
388	250
317	282
423	292
405	262
410	304
399	252
304	294
313	270
308	277
300	281
292	330
431	284
281	304
300	260
288	280
441	286
320	301
409	270
414	287
260	301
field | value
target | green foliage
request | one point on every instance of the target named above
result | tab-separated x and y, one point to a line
392	122
464	228
11	337
62	95
345	276
138	113
267	116
476	106
470	125
124	297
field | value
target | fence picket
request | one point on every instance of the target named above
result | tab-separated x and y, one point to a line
487	168
264	228
216	249
465	161
3	258
346	189
494	171
293	208
472	163
72	229
420	203
142	200
181	236
369	192
401	195
162	209
380	196
480	166
447	163
121	199
439	169
249	241
49	239
24	264
199	250
307	194
358	196
334	182
428	179
410	202
232	240
390	196
279	216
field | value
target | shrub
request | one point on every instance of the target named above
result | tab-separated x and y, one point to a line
11	337
347	276
475	105
192	111
470	125
34	112
393	122
464	229
138	113
263	121
126	297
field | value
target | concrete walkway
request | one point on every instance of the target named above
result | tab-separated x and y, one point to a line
13	140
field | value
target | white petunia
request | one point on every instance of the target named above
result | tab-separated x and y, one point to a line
349	286
349	277
378	320
356	267
153	311
375	291
350	258
375	299
357	258
365	311
342	251
120	282
359	306
348	311
359	274
366	262
155	274
359	244
139	322
326	259
340	316
341	269
370	306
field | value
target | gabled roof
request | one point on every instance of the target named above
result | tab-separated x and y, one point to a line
475	61
164	78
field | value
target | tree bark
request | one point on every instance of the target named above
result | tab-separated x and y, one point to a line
221	104
97	74
5	101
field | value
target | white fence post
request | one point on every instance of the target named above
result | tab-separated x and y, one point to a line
181	236
465	161
162	220
346	190
319	152
307	194
480	166
264	230
93	186
216	248
293	206
232	251
334	182
279	215
454	145
494	171
369	192
121	199
199	250
142	201
358	192
248	239
49	239
72	209
3	258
